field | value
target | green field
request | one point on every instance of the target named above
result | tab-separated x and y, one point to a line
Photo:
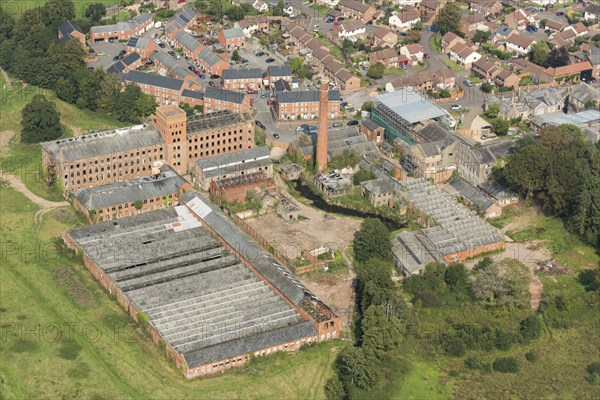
53	348
18	7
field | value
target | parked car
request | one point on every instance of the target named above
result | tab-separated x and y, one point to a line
276	136
259	53
487	127
171	52
456	107
270	60
560	13
162	45
312	128
265	95
197	72
245	62
299	129
191	68
337	124
341	18
116	58
252	91
426	55
532	28
352	123
270	102
202	76
468	82
344	104
260	124
102	53
157	41
215	76
483	137
122	52
211	84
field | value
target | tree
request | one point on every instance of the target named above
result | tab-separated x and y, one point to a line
95	11
359	368
456	277
334	389
367	105
363	175
55	12
66	89
375	286
481	37
571	129
531	328
526	170
376	71
492	110
539	53
500	126
412	36
489	285
448	19
235	56
381	332
486	87
40	121
7	23
456	347
372	241
559	56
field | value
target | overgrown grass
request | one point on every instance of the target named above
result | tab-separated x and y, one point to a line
436	43
17	7
97	352
333	49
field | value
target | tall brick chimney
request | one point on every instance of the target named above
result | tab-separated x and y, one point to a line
323	120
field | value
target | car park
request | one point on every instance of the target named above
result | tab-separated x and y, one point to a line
456	107
276	135
352	123
270	60
260	124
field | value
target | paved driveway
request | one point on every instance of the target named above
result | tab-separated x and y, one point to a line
111	50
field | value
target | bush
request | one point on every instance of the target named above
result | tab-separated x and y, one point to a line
456	347
532	356
506	365
472	363
40	121
531	328
504	340
593	370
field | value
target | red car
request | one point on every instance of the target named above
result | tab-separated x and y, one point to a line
270	102
197	72
251	91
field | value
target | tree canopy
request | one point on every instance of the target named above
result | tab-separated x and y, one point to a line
448	19
40	121
372	241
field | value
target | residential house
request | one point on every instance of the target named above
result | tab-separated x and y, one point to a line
168	65
128	63
164	89
486	68
475	164
555	25
240	79
388	57
592	12
528	104
486	7
383	37
232	38
68	31
192	97
404	20
471	22
332	69
356	10
210	62
449	40
520	19
190	46
122	30
414	53
464	54
219	99
518	44
260	6
182	20
276	73
142	46
252	24
571	73
429	10
500	35
352	30
304	105
507	79
425	80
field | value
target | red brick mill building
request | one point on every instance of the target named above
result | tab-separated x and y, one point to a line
209	293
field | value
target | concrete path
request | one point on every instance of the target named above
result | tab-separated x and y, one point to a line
20	187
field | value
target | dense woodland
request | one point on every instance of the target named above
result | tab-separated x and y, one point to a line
30	50
560	171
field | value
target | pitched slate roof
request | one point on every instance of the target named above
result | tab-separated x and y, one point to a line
279	70
250	73
233	33
143	78
305	96
209	57
66	29
229	96
166	182
187	41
